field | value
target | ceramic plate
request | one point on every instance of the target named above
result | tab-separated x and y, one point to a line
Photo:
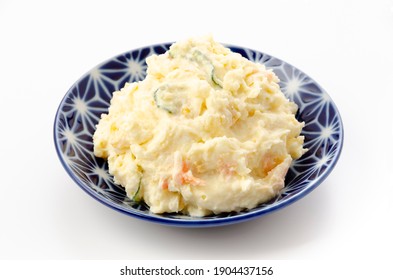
89	97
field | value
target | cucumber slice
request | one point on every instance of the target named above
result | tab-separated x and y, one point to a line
203	60
136	196
161	103
215	79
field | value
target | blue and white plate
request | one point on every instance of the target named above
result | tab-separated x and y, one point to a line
89	97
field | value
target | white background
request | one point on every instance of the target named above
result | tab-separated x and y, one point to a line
346	46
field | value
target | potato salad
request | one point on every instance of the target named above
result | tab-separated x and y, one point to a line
206	132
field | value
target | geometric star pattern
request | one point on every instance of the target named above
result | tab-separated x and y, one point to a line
89	97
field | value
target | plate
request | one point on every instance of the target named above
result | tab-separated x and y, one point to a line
89	97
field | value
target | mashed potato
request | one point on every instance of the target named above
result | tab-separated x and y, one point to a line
206	132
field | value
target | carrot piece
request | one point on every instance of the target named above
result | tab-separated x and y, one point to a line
165	184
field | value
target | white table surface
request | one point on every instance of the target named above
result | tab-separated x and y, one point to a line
346	46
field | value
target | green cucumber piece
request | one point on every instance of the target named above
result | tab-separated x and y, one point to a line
202	59
215	79
160	102
135	197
